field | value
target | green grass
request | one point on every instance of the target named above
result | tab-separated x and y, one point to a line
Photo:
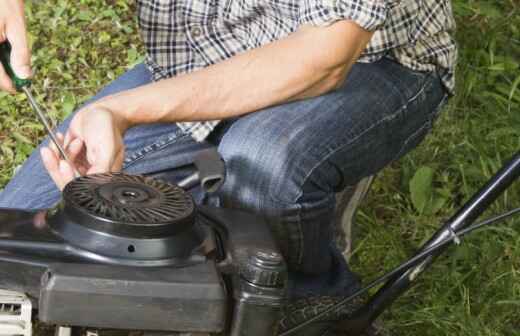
79	46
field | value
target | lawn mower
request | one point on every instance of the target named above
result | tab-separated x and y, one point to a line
136	253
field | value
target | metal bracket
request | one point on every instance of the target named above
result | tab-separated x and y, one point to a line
456	239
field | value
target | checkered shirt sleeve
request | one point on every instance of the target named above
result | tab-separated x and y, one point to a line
369	14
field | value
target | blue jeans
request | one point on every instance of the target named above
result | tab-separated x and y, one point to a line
285	162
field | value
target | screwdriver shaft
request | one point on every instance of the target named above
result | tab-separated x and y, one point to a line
48	128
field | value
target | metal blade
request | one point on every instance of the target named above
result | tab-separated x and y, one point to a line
48	128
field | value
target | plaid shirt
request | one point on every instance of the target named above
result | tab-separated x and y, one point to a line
185	35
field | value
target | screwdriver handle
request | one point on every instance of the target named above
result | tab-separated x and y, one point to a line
5	58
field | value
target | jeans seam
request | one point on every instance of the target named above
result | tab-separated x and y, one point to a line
300	236
428	124
155	147
385	119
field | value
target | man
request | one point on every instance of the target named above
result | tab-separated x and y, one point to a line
311	95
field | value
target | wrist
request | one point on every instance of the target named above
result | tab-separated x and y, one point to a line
118	111
143	105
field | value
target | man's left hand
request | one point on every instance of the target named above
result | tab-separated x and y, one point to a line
93	142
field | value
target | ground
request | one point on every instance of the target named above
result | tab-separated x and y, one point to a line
81	45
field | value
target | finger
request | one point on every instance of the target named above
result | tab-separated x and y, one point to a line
100	158
66	172
5	82
76	151
68	138
117	165
3	38
20	54
52	163
99	163
60	139
75	148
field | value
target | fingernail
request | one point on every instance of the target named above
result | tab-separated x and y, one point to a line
76	142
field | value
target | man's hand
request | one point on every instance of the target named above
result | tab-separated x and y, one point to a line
94	144
12	29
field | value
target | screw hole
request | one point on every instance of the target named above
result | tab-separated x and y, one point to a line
129	194
131	248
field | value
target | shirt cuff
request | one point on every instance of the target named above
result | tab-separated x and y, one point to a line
369	14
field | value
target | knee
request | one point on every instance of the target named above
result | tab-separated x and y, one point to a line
277	177
263	167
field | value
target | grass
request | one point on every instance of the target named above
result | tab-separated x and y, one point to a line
476	290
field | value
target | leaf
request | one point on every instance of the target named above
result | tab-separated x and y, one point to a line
438	204
104	37
132	56
514	87
508	302
20	137
421	188
7	151
497	67
68	105
84	15
489	9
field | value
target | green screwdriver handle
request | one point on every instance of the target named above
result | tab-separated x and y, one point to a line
5	58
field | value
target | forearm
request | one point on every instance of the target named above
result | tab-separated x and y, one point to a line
308	63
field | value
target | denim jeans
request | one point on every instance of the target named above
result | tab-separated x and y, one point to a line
286	162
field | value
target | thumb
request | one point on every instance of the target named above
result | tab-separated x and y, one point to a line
20	53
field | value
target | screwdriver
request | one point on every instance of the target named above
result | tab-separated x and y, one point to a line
22	85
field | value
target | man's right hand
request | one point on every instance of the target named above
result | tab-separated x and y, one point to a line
12	29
